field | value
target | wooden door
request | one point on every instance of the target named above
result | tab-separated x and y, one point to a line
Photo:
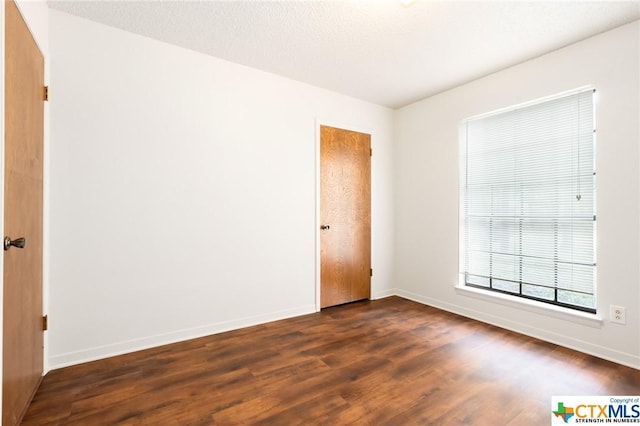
24	118
345	216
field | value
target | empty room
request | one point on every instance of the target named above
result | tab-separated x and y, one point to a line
385	212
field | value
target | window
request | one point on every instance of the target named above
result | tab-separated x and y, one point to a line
527	188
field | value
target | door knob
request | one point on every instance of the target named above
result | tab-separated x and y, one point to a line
325	227
18	242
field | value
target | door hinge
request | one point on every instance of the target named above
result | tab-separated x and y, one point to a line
46	93
45	323
371	272
370	152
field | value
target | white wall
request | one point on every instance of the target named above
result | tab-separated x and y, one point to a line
426	189
36	16
183	192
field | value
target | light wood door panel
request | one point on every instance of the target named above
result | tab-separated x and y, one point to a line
345	207
22	280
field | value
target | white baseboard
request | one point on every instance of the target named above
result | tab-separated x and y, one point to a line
630	360
92	354
384	293
119	348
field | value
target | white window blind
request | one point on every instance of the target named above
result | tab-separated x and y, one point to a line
528	201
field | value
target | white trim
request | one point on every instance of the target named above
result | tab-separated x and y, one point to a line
530	103
317	212
567	314
46	205
623	358
384	293
128	346
570	96
92	354
354	128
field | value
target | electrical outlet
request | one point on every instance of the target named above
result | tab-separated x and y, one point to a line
618	314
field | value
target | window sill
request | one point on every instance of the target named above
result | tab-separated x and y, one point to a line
583	318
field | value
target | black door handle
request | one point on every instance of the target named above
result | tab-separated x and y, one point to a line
325	227
18	242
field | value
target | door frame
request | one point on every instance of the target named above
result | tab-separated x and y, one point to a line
352	128
2	30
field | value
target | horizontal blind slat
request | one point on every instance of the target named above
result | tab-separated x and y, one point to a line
528	201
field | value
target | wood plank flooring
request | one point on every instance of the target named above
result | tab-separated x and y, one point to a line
384	362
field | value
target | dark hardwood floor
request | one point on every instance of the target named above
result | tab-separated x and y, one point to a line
386	362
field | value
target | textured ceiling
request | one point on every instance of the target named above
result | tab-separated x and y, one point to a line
376	50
